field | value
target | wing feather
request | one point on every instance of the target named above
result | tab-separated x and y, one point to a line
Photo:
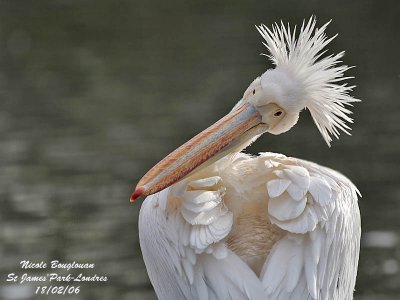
310	261
198	265
183	231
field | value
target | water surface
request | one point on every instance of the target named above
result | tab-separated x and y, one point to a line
93	93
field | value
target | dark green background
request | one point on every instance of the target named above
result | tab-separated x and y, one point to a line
93	93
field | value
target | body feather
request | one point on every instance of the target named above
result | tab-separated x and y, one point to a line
247	251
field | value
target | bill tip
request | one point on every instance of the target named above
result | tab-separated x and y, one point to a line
139	191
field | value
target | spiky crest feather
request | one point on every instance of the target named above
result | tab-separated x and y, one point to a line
320	77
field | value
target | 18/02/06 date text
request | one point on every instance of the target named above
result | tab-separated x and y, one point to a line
57	290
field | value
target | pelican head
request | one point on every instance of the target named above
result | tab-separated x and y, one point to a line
302	78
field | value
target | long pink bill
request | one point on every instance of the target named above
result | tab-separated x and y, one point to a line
208	146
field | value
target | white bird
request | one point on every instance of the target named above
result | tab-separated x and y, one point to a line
221	224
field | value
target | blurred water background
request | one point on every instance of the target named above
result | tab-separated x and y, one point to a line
93	93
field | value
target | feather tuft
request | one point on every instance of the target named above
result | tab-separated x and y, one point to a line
321	78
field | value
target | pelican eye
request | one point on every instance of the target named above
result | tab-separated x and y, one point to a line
254	91
278	113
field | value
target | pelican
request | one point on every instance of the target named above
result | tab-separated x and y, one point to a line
221	224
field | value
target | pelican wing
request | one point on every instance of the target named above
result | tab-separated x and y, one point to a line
181	236
186	232
317	207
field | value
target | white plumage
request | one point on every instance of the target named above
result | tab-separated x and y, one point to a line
316	76
263	227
